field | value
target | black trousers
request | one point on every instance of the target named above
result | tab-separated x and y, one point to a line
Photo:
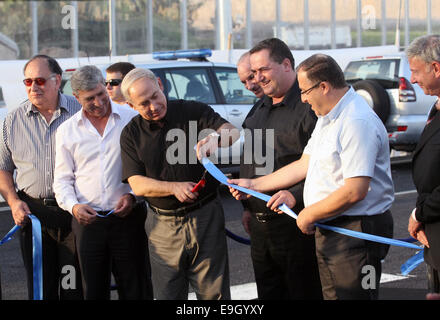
58	250
433	280
350	268
284	260
117	245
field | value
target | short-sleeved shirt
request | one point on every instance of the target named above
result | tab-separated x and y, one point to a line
350	141
164	150
289	124
27	144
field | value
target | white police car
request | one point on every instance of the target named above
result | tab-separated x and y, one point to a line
216	84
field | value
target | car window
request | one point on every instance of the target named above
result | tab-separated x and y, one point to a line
65	84
189	84
233	89
2	100
386	69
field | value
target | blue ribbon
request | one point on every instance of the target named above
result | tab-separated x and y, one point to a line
37	256
9	235
105	215
412	263
217	174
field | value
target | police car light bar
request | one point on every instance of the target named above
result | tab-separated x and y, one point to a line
183	54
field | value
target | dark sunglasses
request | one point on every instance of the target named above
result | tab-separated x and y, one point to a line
38	81
113	82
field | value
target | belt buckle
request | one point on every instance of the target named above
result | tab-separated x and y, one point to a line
260	218
49	202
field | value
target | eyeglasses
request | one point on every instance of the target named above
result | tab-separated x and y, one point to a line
113	82
310	89
40	81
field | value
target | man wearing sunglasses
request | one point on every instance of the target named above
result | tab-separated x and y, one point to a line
27	145
283	258
114	76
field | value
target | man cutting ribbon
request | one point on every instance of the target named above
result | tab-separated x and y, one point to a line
185	227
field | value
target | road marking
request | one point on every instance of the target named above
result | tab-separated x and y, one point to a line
386	277
248	291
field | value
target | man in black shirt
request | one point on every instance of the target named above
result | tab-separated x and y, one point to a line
185	227
283	257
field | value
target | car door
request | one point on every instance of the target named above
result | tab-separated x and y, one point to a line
238	101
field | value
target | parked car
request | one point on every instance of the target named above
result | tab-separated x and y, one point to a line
3	109
384	82
216	84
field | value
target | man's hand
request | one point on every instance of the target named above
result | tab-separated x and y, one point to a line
305	223
245	183
84	214
124	206
415	229
20	212
207	146
279	198
246	221
182	191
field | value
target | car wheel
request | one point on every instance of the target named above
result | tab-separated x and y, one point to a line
376	97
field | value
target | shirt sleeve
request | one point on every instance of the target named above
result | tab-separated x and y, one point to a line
131	164
359	142
64	177
208	118
6	162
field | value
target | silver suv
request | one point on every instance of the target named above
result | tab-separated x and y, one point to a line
403	107
216	84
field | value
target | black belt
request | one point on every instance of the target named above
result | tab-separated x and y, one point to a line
48	202
264	217
180	212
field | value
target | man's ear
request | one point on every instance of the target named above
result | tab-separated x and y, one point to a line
76	96
287	64
436	66
159	82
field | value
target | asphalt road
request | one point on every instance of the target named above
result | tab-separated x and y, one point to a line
393	287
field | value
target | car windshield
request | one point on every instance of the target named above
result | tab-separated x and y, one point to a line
383	69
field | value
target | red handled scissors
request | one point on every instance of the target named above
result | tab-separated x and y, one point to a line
201	184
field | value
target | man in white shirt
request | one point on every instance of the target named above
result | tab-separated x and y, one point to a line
348	182
87	184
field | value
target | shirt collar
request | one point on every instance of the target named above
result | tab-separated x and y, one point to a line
337	109
289	98
62	105
80	117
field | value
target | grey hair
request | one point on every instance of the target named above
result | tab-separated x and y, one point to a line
132	77
86	78
426	48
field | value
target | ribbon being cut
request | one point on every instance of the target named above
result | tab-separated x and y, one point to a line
406	268
36	254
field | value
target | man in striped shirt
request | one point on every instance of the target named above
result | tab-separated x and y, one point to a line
27	145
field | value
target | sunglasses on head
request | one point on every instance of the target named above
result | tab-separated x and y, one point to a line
113	82
38	81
